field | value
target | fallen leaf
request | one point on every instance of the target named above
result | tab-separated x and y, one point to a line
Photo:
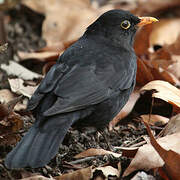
142	35
155	119
42	56
170	157
173	126
6	95
95	152
17	86
142	175
105	172
147	158
10	122
165	32
154	70
47	67
60	25
3	47
16	69
154	6
164	91
9	139
144	74
82	174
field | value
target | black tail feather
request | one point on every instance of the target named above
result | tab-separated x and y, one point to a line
36	148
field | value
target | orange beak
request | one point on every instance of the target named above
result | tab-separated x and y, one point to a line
146	20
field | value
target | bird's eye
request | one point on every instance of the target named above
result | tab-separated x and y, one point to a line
125	24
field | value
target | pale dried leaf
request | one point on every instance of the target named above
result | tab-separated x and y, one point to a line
165	91
166	31
173	125
16	69
82	174
60	25
95	152
6	95
143	176
17	86
153	6
155	119
42	56
148	155
107	171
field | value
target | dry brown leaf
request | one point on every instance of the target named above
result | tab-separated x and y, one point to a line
155	119
47	67
17	86
82	174
147	158
154	6
9	139
10	122
6	95
42	56
95	152
165	32
173	125
144	74
60	25
171	158
129	152
142	41
168	58
155	70
165	91
106	172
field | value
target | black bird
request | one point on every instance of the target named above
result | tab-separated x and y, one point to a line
90	83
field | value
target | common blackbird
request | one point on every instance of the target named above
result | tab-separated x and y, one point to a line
90	83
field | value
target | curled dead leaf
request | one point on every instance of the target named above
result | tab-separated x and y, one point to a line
164	91
17	86
148	155
105	172
170	157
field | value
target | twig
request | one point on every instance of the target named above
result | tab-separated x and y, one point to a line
82	160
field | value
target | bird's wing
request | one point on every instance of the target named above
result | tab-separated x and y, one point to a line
83	86
77	90
47	84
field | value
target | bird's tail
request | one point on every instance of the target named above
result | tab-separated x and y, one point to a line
37	147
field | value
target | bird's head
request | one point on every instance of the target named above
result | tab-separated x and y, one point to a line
119	26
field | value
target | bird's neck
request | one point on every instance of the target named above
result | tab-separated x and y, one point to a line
113	38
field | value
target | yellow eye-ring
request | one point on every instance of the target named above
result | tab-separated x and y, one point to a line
125	24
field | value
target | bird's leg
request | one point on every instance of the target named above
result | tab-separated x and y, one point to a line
106	138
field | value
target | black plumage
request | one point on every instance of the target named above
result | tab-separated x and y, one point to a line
90	83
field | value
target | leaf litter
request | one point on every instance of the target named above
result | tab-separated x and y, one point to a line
158	59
